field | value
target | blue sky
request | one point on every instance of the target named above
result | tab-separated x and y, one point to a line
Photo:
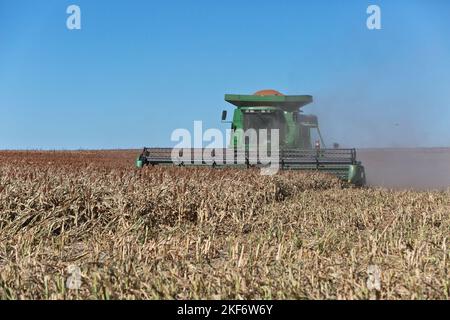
137	70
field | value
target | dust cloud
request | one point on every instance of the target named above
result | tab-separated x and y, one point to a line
400	147
408	168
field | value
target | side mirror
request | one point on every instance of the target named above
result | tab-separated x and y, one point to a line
224	115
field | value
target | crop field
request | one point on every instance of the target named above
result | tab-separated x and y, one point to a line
88	225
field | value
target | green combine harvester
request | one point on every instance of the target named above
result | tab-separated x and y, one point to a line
267	109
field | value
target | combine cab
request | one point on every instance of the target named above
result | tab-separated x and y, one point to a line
268	110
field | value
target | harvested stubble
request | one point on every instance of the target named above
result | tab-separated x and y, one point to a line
204	233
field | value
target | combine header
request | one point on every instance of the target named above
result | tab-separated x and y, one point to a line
267	109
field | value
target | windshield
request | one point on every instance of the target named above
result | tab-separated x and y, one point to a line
266	120
258	120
